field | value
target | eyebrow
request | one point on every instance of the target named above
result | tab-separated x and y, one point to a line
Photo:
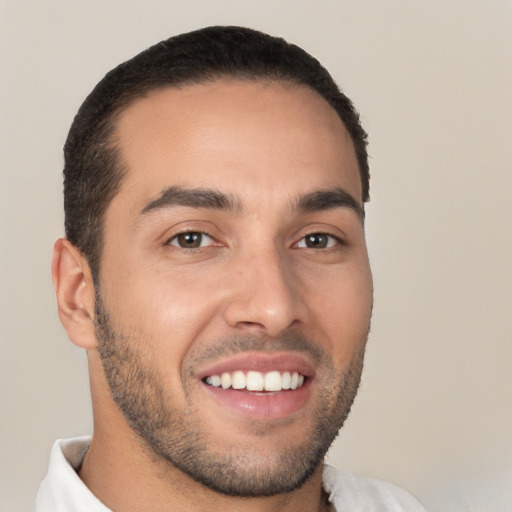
318	200
193	198
327	200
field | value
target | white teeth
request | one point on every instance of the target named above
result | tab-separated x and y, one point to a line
214	380
273	381
238	380
295	381
225	380
257	381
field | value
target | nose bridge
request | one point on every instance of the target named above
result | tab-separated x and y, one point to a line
267	295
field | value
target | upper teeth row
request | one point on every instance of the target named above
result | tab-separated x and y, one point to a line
256	381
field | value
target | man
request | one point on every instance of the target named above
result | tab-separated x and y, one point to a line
215	270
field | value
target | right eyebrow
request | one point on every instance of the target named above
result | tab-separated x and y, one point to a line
194	198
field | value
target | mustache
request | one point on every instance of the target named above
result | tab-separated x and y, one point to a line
233	345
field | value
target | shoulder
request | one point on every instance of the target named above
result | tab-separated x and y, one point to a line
357	494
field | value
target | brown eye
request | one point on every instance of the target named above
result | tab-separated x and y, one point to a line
318	241
191	240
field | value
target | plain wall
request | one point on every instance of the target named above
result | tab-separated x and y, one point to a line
433	83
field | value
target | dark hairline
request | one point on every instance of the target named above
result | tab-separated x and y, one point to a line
94	166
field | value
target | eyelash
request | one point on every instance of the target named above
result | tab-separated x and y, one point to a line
332	241
201	234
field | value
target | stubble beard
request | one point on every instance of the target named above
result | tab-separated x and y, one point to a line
179	438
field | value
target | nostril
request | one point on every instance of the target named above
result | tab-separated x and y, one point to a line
251	325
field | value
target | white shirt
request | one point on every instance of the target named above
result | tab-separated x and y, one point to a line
62	490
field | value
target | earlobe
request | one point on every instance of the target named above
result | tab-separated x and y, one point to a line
74	289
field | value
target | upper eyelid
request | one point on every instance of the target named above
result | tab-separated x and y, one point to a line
330	226
184	231
189	229
333	232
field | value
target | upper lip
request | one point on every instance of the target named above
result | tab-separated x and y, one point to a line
284	361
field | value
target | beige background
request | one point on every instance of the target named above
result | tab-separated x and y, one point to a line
433	82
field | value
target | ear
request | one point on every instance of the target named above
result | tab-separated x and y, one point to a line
74	289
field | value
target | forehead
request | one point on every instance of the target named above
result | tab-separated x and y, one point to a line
237	136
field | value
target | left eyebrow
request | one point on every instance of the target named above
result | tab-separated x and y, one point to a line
327	200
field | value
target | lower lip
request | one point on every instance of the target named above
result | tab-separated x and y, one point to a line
273	405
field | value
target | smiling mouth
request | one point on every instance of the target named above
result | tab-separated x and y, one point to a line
256	381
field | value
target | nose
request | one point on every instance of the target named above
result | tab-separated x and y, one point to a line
265	295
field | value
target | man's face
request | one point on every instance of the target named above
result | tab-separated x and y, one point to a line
235	257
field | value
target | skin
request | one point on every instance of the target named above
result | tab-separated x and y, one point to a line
265	145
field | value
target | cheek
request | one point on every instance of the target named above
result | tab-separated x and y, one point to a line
343	310
165	310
